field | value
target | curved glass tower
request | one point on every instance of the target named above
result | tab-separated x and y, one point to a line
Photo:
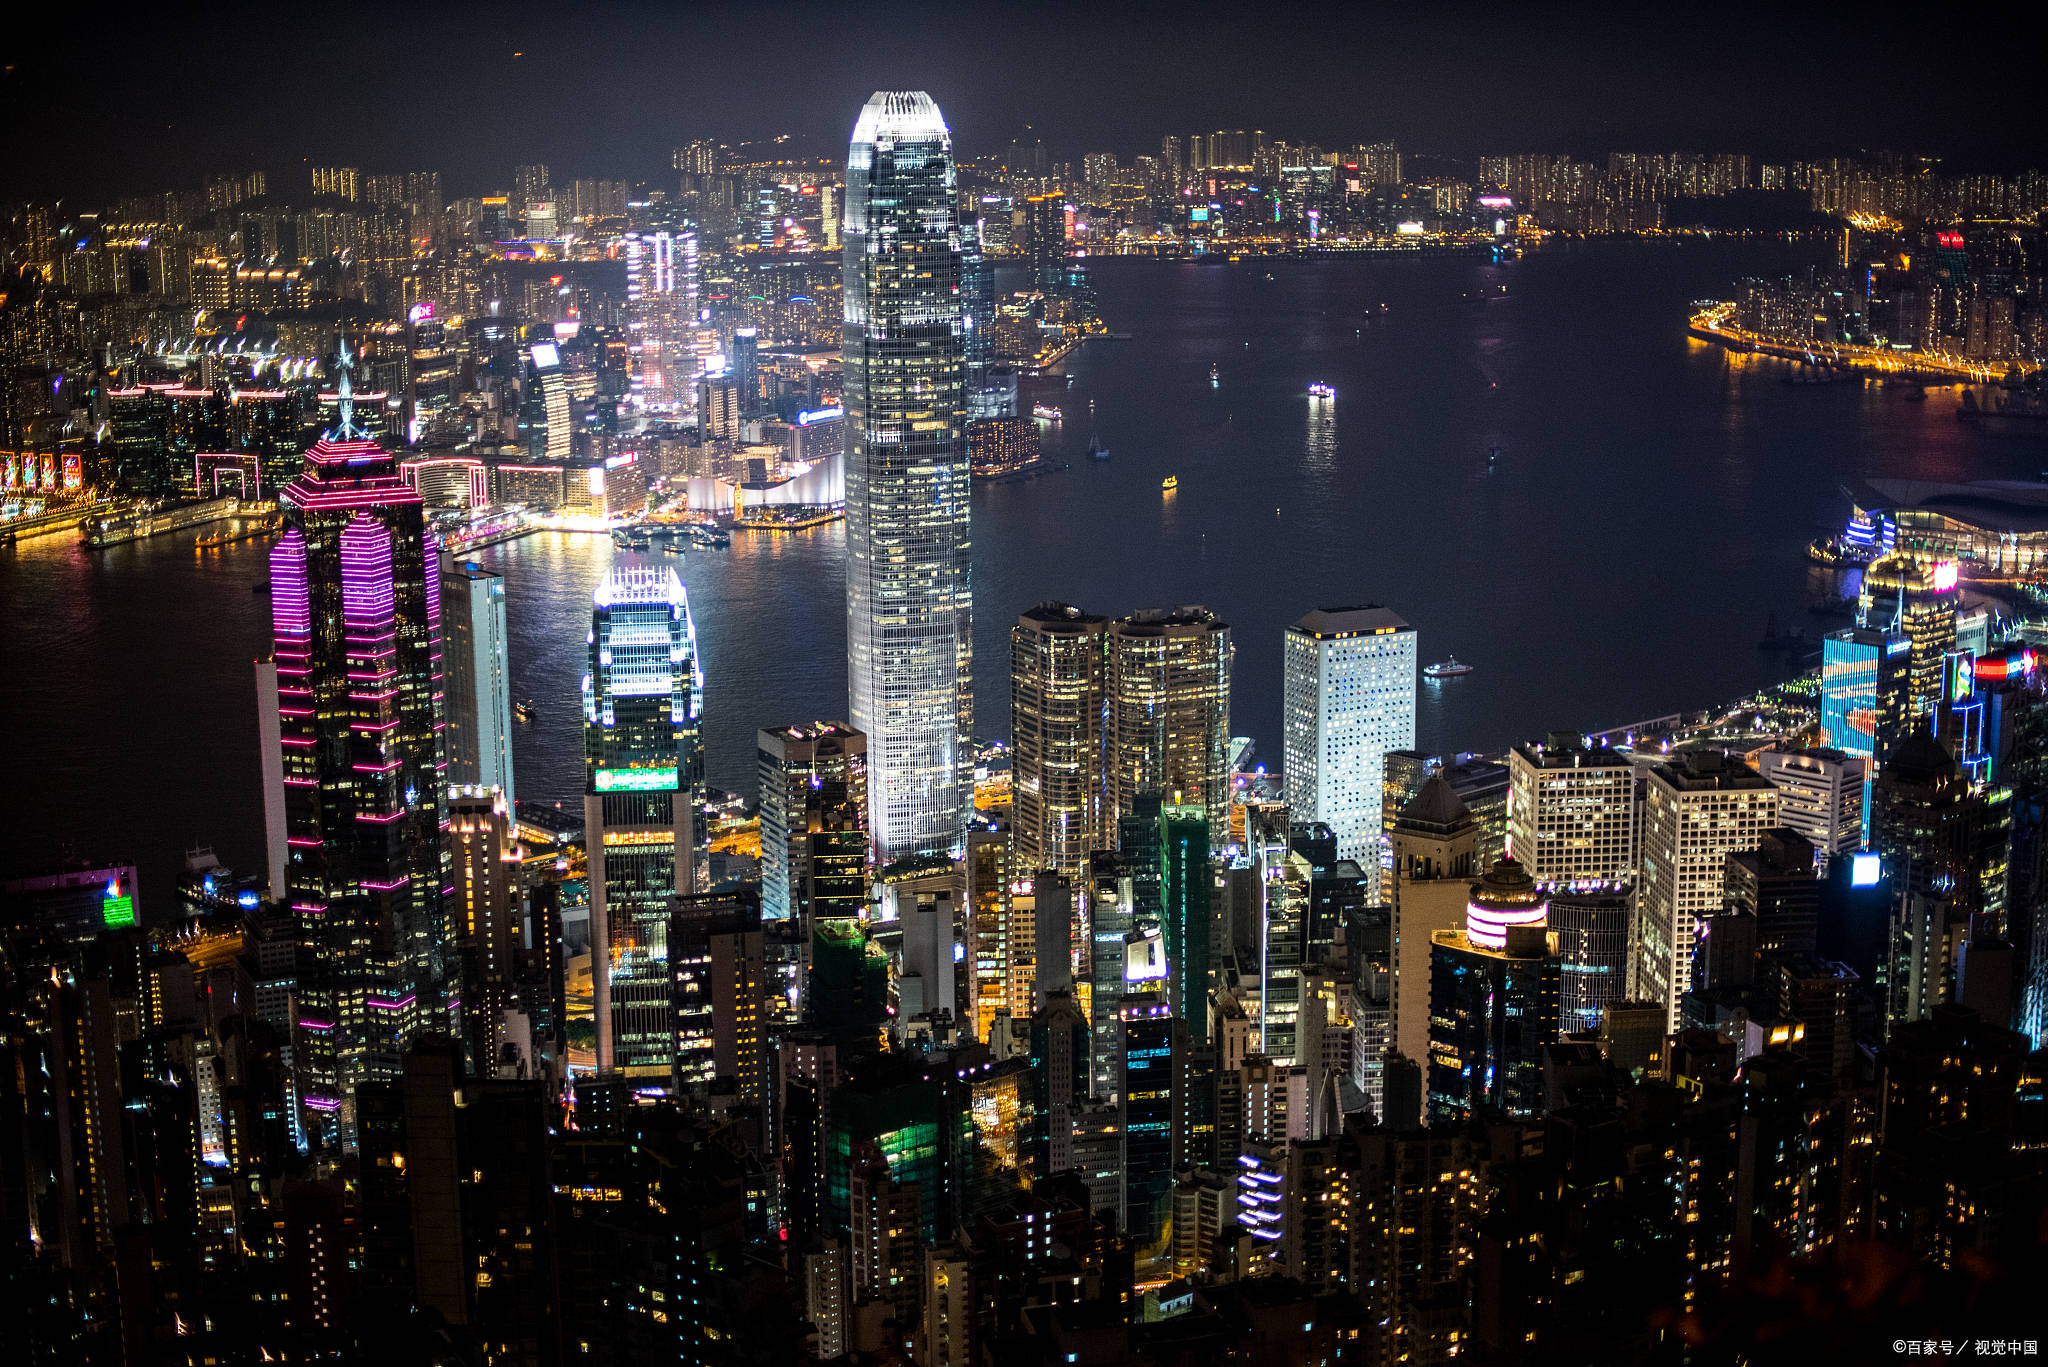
909	647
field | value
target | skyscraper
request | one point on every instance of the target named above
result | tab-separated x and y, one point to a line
1169	708
479	680
643	703
356	620
813	778
1698	808
1058	692
1348	698
908	604
1571	811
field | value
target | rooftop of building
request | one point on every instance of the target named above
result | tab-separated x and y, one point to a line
1436	806
1369	620
1568	750
1052	614
2007	505
1695	771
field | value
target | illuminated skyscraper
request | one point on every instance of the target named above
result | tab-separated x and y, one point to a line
1059	801
1698	808
479	734
1571	811
356	621
813	779
909	643
643	704
1169	708
1348	698
661	313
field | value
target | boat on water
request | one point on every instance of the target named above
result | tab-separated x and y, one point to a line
1169	484
1215	377
1322	391
524	710
1046	411
1096	450
1447	669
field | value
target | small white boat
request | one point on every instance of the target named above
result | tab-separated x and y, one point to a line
1447	669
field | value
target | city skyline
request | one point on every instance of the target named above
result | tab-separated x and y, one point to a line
793	1009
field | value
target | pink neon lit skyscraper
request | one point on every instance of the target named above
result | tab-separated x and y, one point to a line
355	622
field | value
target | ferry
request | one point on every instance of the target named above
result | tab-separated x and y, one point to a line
524	710
1169	484
1321	391
1447	669
134	526
1046	411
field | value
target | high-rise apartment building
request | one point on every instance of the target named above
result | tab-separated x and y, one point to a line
479	732
1059	676
1348	697
908	602
1169	707
643	703
814	778
356	622
1698	808
343	181
1571	811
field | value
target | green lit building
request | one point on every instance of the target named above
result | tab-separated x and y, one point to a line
921	1123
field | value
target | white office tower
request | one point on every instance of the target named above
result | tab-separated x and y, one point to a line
1349	698
1571	811
909	643
1699	807
1820	795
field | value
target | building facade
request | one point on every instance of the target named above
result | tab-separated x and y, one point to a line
1698	808
643	703
1348	694
356	626
1571	811
908	601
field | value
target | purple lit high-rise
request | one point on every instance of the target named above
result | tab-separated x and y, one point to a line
356	791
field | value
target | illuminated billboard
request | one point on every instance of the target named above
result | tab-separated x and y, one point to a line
636	780
117	905
1848	695
74	473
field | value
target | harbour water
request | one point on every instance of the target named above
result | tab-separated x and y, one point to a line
1553	483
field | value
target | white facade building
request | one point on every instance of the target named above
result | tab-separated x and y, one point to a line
1349	698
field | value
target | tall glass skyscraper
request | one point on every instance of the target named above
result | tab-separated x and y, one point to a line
909	644
643	706
356	624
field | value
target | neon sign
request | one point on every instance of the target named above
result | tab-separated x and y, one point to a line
117	908
635	780
1944	575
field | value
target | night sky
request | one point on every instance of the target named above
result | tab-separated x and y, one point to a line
155	98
